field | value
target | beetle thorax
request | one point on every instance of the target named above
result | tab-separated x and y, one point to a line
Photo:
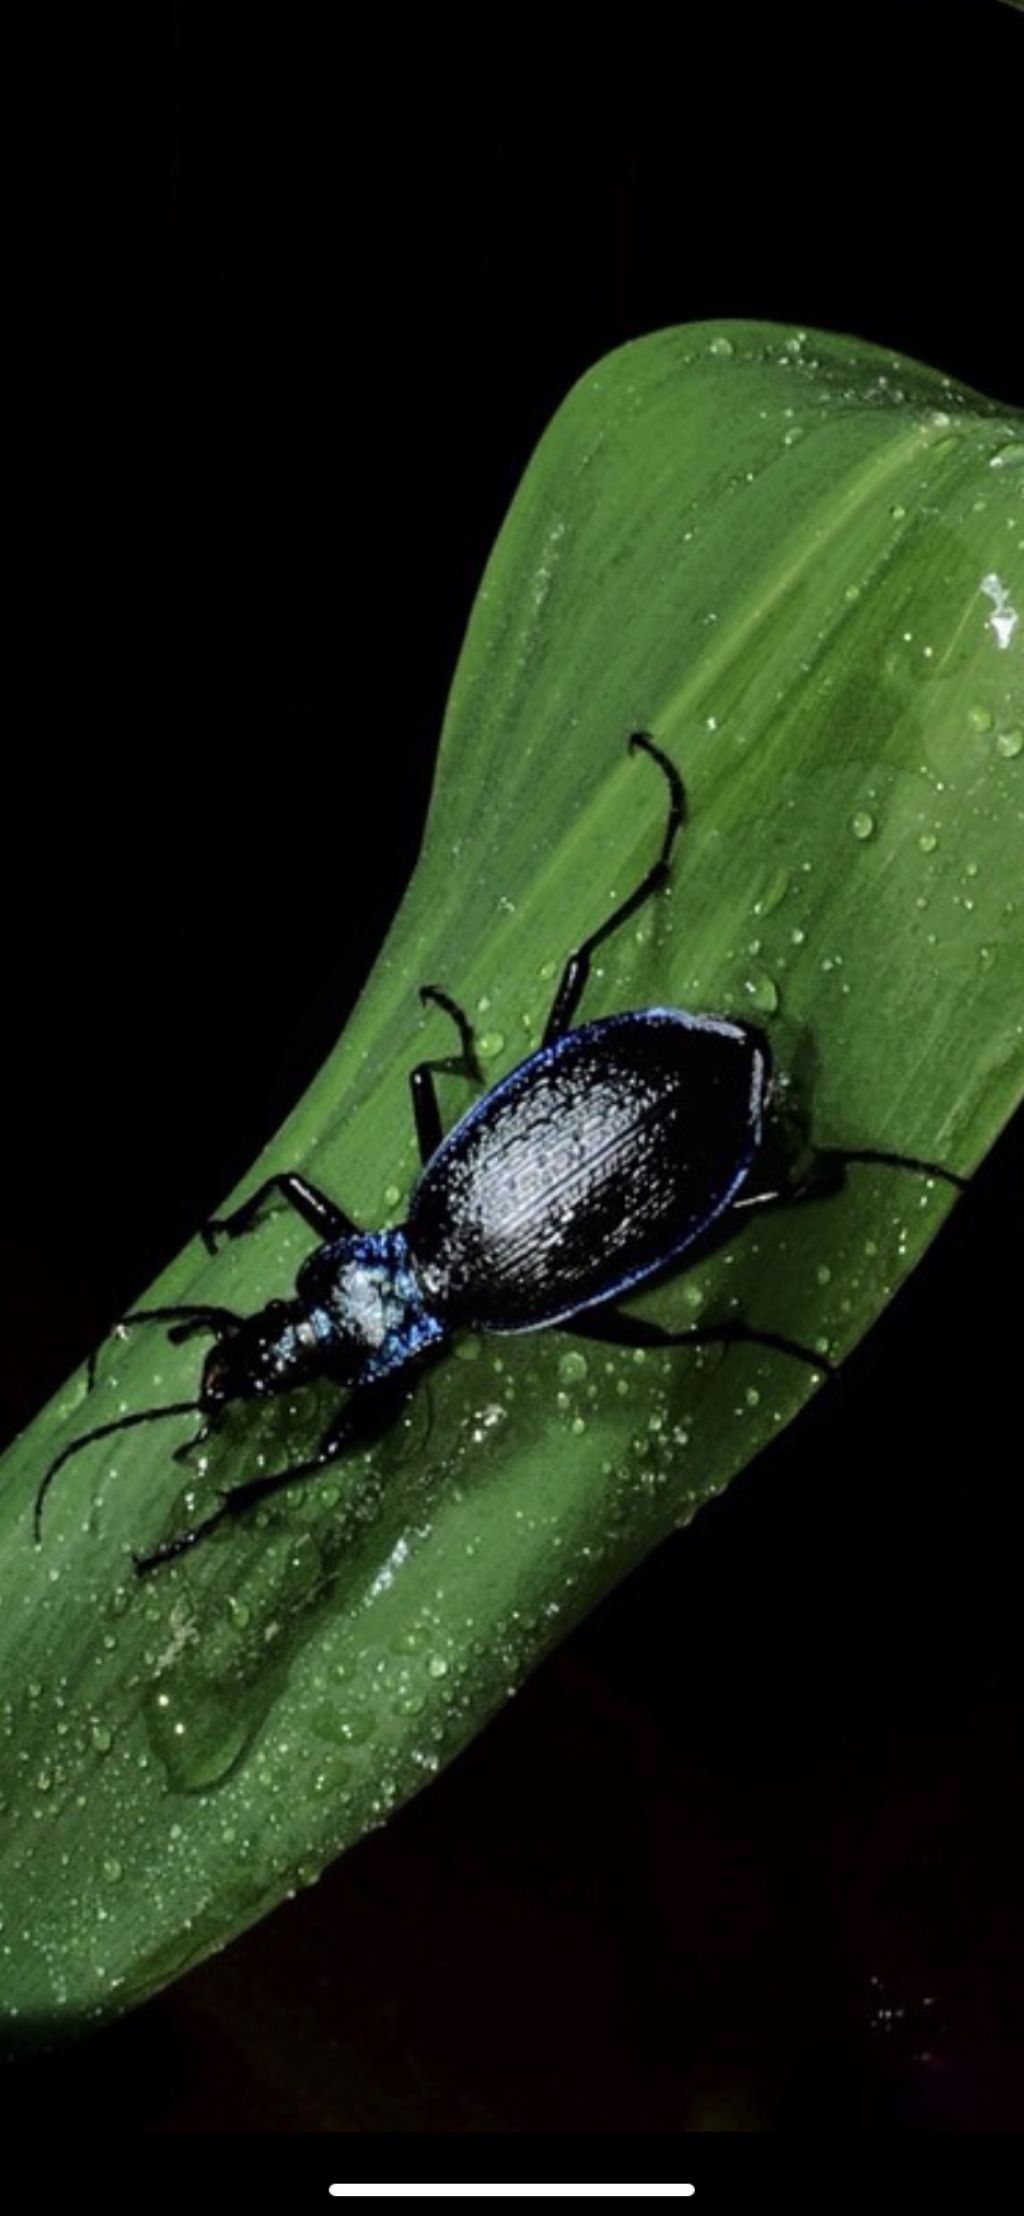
367	1303
363	1300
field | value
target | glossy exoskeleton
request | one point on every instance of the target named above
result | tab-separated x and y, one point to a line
599	1161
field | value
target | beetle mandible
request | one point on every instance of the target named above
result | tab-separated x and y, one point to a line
598	1162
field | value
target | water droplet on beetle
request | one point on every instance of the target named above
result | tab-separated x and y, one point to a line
862	824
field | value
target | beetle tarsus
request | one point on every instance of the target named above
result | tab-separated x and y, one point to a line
426	1108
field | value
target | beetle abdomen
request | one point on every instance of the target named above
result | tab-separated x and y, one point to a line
593	1164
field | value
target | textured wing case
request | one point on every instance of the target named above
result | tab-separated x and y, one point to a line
594	1163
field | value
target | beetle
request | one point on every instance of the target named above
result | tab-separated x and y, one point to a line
597	1163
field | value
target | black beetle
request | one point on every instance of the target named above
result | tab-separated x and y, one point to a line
599	1161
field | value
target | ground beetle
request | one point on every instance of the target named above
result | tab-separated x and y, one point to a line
596	1163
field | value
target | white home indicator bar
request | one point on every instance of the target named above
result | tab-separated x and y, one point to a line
514	2192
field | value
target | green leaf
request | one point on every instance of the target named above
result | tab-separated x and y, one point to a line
798	561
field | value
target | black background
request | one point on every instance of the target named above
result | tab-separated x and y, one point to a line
307	296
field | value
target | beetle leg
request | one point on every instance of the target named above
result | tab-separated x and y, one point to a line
831	1158
426	1107
617	1329
322	1215
827	1174
577	968
368	1411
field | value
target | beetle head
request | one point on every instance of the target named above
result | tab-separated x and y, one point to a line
265	1354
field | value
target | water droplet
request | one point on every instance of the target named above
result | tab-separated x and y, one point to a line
358	1726
102	1738
774	893
752	1397
979	719
392	1196
823	1274
1004	618
238	1611
721	346
1010	743
469	1348
897	513
572	1367
547	970
437	1666
763	991
112	1870
798	937
578	1425
862	824
928	842
492	1043
1008	457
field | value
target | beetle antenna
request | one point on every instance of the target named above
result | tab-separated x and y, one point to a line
103	1431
